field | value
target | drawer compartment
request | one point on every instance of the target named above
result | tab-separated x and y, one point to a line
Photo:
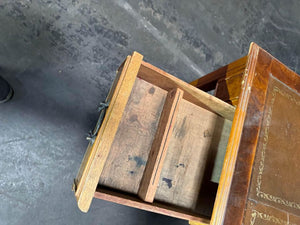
160	146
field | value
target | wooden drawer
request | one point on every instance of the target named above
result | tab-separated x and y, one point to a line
162	142
156	146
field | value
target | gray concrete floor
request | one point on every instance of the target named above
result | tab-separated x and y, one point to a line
61	56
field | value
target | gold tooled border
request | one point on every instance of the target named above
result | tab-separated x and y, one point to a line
270	218
259	192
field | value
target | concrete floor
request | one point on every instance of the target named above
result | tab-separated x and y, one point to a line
61	56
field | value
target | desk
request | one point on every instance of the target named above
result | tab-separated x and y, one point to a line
260	180
160	133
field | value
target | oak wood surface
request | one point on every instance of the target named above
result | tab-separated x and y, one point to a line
96	157
192	94
191	222
156	207
186	159
129	152
106	157
85	164
197	134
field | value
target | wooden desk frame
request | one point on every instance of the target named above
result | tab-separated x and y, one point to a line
247	92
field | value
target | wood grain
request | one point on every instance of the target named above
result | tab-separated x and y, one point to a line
265	72
129	152
218	214
160	145
229	89
208	82
96	157
85	164
121	149
156	207
191	222
192	94
186	159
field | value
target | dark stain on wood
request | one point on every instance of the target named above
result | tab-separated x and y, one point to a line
151	90
131	172
180	164
138	160
133	118
168	181
206	133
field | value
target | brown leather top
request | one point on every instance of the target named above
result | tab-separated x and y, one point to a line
276	179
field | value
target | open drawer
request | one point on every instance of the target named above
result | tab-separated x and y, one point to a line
157	145
161	144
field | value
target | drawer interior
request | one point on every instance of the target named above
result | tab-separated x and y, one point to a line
192	162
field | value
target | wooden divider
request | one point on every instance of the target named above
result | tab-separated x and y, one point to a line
160	145
192	94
